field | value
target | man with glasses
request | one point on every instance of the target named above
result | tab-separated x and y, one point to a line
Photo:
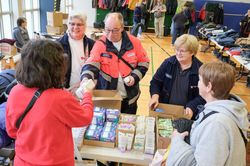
176	80
118	61
77	47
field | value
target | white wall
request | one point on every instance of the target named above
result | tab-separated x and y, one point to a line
85	6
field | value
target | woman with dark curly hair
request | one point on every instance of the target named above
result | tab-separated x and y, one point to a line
44	135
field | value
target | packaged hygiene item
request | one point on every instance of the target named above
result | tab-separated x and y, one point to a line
87	85
112	115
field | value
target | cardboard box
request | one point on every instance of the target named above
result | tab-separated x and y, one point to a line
8	63
86	162
55	19
7	49
65	16
55	30
171	112
105	99
99	143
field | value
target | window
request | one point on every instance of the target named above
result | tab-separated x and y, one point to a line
66	6
6	19
32	14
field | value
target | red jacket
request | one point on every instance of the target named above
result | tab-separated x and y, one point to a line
104	65
45	136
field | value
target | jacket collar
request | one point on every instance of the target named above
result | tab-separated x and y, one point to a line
194	67
65	40
126	44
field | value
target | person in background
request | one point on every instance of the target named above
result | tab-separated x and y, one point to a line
144	13
44	136
159	15
176	80
179	23
118	62
137	18
77	47
220	138
20	33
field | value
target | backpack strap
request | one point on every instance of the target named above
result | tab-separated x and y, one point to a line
207	115
243	136
241	132
30	105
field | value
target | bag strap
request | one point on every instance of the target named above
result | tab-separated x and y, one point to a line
119	57
124	61
30	105
241	132
207	115
243	136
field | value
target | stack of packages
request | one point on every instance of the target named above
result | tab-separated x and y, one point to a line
143	135
165	127
126	132
103	126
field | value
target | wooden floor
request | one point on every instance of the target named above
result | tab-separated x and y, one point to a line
160	49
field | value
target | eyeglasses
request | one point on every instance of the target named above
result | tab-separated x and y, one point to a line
181	51
76	24
115	31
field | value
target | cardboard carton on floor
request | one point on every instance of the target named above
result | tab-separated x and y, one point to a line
106	99
55	30
169	111
65	15
65	18
7	63
55	19
7	49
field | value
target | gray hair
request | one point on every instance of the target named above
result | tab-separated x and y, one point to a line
115	15
78	15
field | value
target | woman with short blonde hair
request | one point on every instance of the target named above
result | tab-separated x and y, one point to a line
176	80
190	42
